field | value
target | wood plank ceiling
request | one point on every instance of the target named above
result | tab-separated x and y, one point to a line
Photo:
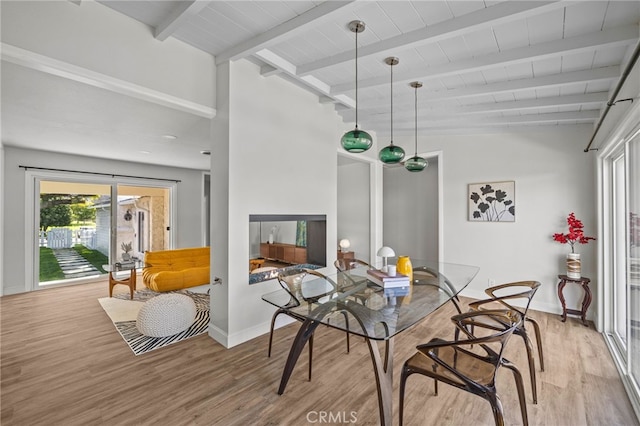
485	65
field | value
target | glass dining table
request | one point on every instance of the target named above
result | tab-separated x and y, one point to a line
349	301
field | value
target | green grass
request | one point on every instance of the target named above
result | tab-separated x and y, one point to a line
49	268
94	257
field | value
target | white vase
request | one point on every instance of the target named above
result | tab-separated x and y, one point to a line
573	265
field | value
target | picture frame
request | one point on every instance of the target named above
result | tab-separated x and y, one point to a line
492	201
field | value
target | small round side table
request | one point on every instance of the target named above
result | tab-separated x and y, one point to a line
584	283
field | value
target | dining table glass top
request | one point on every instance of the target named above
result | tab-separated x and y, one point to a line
351	302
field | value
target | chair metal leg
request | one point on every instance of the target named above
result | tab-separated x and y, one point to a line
536	329
403	379
532	365
273	321
455	302
434	367
496	407
310	355
520	387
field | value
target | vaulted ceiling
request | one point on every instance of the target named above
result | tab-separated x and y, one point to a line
483	64
486	66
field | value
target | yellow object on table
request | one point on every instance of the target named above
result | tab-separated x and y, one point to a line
404	267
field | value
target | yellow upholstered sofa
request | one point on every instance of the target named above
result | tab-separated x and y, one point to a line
168	270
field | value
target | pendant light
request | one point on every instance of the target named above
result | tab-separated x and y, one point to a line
356	140
415	163
391	154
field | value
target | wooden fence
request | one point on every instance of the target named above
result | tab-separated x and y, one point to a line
58	238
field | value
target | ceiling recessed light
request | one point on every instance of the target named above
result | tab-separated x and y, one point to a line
205	152
169	136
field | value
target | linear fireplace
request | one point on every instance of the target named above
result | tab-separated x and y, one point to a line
282	241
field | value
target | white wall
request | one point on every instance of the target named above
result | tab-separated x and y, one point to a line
278	155
188	232
99	39
354	205
553	177
411	211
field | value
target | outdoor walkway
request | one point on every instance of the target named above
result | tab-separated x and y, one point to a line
73	265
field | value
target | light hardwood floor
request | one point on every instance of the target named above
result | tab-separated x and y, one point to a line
64	363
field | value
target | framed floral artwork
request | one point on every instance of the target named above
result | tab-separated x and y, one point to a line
492	202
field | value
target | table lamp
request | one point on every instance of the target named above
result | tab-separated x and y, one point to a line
385	252
344	244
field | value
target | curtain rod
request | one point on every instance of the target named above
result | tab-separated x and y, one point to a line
113	175
612	101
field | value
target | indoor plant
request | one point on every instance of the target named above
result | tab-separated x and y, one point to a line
126	248
575	235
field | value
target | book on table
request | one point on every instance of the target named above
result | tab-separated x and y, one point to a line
385	280
396	291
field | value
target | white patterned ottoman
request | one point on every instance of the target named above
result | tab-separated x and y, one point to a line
166	315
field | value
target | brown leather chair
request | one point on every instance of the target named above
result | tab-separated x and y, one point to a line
470	363
520	293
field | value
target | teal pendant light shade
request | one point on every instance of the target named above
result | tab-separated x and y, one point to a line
356	140
391	154
416	163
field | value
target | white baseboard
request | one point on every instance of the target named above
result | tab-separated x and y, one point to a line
229	341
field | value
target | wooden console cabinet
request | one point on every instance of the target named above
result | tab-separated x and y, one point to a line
288	253
345	255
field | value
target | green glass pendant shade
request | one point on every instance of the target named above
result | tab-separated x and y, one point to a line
416	164
391	154
356	141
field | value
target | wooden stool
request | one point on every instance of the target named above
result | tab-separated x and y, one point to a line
584	283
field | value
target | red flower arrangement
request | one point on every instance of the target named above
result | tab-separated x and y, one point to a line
575	235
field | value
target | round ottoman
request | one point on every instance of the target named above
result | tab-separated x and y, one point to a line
166	315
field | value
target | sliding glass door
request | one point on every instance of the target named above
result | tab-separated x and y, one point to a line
620	287
633	262
83	222
143	220
74	222
621	263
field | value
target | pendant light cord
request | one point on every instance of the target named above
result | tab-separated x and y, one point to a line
416	119
392	103
356	78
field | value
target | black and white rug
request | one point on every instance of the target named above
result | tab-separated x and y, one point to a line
123	313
